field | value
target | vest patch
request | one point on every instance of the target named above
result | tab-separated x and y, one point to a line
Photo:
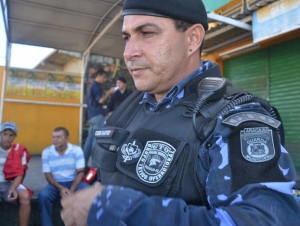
130	151
104	133
238	118
155	161
257	144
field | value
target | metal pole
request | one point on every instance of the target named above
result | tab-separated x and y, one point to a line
7	65
85	59
7	58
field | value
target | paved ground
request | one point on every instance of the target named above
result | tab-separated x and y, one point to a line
35	178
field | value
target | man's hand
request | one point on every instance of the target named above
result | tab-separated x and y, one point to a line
12	195
111	90
76	206
106	95
64	192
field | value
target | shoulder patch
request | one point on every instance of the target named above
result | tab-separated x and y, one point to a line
257	144
238	118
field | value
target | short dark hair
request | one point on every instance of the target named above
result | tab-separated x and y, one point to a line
99	72
65	131
182	26
122	79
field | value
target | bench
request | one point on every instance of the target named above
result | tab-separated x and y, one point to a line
9	214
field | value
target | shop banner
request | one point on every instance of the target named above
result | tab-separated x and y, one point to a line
22	82
16	83
275	19
72	88
35	84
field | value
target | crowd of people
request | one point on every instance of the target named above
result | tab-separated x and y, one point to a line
63	164
96	97
185	148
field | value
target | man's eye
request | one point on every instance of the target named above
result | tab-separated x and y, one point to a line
125	38
147	33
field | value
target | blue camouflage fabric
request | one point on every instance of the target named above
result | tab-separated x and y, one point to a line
240	190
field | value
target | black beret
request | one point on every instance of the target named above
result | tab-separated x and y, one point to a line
192	11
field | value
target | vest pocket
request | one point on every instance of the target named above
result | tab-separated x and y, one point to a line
104	158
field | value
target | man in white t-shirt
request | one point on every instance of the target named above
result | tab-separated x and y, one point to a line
63	165
12	172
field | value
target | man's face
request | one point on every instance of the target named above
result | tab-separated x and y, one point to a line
155	53
101	78
29	75
59	139
121	85
7	138
49	77
91	71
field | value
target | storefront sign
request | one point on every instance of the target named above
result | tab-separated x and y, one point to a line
275	19
31	83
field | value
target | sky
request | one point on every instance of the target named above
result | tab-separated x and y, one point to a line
25	56
22	56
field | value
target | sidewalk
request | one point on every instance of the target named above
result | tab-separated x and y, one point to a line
35	178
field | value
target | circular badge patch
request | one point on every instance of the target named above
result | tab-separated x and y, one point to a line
130	151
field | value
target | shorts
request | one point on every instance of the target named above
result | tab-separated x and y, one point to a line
5	187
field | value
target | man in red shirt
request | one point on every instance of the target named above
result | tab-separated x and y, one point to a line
13	164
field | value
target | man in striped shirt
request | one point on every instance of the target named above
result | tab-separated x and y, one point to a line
63	165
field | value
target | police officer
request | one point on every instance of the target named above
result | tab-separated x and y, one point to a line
187	148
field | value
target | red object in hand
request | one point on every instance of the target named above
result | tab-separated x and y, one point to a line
90	175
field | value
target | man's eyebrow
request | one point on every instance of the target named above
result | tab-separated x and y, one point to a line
141	27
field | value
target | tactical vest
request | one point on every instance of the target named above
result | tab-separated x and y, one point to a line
157	152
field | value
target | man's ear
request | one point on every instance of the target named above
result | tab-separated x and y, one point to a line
196	35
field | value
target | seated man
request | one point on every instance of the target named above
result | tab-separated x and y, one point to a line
63	165
13	164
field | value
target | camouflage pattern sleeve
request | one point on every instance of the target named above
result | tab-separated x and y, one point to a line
247	175
124	206
251	175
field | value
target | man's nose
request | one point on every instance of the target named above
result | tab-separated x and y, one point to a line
132	50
